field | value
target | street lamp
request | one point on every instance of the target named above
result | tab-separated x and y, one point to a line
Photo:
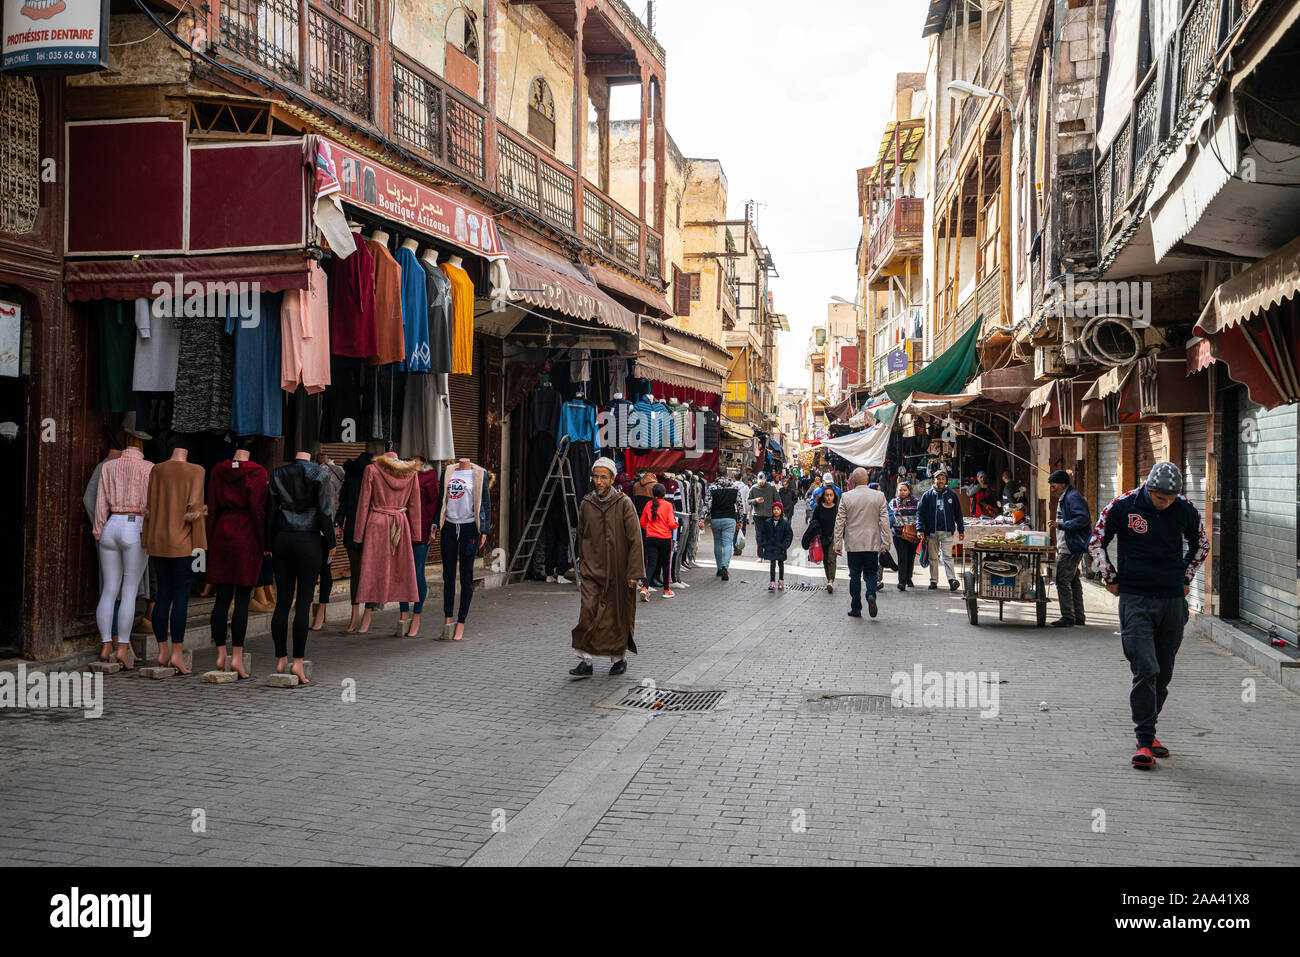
962	89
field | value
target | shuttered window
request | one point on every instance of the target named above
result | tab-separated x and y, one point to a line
1267	476
681	292
1148	450
1193	466
467	407
1107	467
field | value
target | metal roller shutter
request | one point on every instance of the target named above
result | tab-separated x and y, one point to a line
1194	479
1267	476
1148	450
467	407
1107	467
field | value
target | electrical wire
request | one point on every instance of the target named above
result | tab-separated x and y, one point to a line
127	43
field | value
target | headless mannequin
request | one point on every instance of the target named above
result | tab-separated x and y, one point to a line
463	464
237	653
430	256
412	244
281	663
379	236
123	644
170	653
364	627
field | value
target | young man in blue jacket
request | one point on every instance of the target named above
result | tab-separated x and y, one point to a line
1072	525
1152	576
938	518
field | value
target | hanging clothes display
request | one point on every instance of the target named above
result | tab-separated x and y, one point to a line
157	348
113	331
643	433
544	408
579	365
426	418
438	293
415	312
663	426
383	400
352	304
205	372
256	405
462	309
236	522
616	369
391	340
618	422
578	423
305	335
388	510
341	413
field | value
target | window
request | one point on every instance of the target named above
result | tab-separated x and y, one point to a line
686	290
462	32
20	164
541	113
694	279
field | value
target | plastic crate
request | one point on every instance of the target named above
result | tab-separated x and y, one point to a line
994	585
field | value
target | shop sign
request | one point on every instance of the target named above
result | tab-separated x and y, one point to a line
373	186
896	361
55	36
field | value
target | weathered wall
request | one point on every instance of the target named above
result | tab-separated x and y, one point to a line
535	46
704	199
420	31
148	57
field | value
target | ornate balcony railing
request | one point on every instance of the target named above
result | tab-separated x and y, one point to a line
1166	101
905	219
437	119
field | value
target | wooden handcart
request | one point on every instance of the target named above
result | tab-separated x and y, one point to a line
1006	571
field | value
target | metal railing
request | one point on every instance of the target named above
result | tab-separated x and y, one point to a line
435	118
654	257
1164	103
264	31
340	64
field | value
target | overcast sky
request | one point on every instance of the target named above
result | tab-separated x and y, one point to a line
793	99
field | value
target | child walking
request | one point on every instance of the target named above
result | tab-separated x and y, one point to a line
777	536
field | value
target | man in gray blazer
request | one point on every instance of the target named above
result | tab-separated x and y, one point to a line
862	526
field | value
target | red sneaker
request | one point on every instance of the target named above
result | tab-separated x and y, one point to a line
1159	750
1144	759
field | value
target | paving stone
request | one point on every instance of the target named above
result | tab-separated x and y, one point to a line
219	677
105	667
275	680
156	671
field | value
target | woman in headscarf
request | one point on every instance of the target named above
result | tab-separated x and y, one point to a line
610	565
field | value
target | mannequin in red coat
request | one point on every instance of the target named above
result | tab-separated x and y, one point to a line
236	520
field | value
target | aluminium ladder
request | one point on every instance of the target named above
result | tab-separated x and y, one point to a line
558	478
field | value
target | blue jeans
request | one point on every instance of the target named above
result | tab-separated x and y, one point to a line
724	539
175	576
421	582
863	567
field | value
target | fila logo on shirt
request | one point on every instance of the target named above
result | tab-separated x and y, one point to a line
1138	524
456	488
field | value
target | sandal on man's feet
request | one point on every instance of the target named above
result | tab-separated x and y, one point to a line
1144	760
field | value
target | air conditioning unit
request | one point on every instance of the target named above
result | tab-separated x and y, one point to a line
1048	363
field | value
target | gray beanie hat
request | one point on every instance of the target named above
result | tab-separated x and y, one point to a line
1165	477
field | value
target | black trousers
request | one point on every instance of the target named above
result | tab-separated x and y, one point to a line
656	559
459	547
1151	631
240	594
296	559
175	576
778	563
326	578
906	558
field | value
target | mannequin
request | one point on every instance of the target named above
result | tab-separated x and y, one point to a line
412	244
300	526
461	312
115	499
430	256
465	518
174	532
456	261
379	236
236	524
388	510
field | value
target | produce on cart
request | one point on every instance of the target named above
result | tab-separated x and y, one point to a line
1007	566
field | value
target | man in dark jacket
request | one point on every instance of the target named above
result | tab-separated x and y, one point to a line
1151	576
1072	525
938	518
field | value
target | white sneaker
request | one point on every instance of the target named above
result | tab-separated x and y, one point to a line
682	584
550	578
562	580
649	589
668	594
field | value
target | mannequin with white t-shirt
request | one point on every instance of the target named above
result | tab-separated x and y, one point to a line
465	519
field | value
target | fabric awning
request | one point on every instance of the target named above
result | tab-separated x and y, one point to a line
664	364
1200	356
1010	385
621	285
737	430
1253	325
548	281
841	410
1110	381
946	375
936	404
1041	396
86	280
867	448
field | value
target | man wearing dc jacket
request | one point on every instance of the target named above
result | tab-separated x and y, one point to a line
1152	576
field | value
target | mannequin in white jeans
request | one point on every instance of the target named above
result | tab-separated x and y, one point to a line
122	561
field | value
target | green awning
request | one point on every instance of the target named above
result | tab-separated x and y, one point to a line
886	413
946	375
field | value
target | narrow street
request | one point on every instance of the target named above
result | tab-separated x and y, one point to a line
447	741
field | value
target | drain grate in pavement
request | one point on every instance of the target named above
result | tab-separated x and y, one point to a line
641	698
858	703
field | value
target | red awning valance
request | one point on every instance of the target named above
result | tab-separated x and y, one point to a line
1261	352
621	285
548	281
86	280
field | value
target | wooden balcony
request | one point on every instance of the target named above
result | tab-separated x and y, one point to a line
898	233
352	69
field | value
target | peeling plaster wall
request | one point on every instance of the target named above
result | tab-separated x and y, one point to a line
420	31
148	57
534	46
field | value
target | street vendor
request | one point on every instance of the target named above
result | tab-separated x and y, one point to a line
1014	496
983	500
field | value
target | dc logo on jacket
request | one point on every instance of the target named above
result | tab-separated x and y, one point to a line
1138	524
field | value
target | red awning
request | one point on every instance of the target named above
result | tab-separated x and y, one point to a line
548	281
1200	355
621	285
1261	351
86	280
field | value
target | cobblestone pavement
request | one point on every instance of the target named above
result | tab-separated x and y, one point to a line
445	741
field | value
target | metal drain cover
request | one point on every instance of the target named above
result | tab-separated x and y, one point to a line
642	698
830	702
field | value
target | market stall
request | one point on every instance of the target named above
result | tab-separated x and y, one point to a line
1006	566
